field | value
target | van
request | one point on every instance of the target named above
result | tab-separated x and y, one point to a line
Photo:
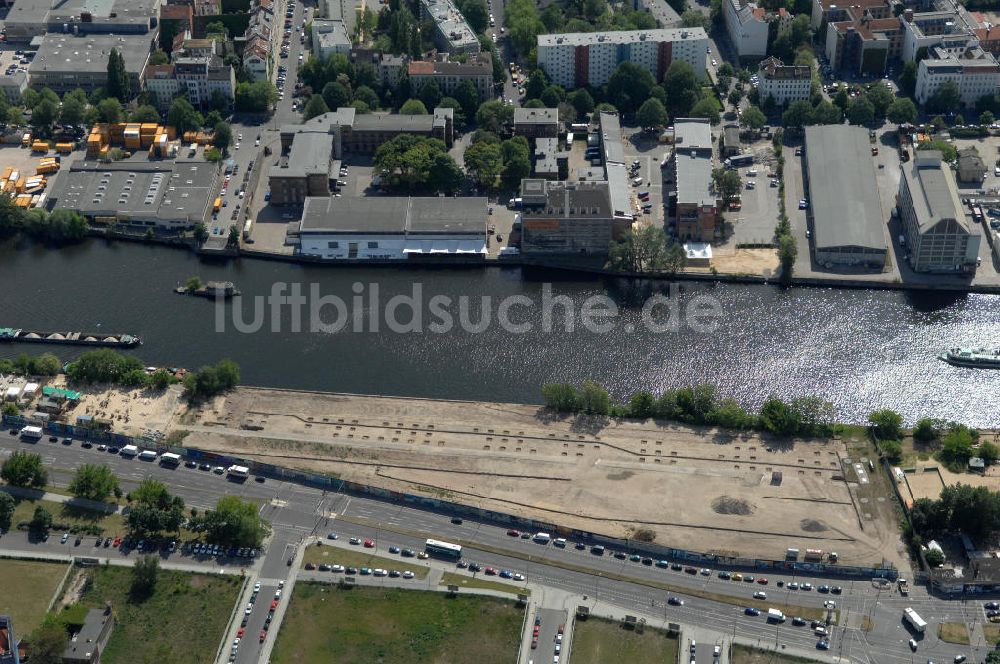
560	542
542	538
129	451
147	455
597	550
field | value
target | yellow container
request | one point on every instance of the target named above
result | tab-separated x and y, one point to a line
39	146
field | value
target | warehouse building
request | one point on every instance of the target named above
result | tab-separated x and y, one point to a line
33	18
392	228
849	227
161	195
306	170
694	200
939	235
579	59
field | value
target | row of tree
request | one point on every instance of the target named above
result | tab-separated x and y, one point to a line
489	161
700	405
61	226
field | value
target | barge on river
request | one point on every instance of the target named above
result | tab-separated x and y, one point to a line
212	289
11	334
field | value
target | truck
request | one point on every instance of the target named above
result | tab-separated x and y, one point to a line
813	554
129	451
792	554
238	472
915	621
774	615
33	433
739	160
904	587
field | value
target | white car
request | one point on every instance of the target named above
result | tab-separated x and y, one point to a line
256	587
277	594
518	577
281	584
237	145
256	143
239	136
760	594
338	568
378	571
407	574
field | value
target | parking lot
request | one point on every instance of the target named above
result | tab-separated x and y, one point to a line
13	58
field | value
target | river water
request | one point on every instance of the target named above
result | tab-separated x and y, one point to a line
859	349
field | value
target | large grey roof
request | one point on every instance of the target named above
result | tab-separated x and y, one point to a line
536	115
933	190
694	177
548	198
844	195
89	53
618	189
310	153
394	215
167	191
692	133
611	138
393	122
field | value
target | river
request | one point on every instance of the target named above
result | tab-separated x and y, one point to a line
859	349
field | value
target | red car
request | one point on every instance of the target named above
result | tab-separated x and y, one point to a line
239	634
369	544
263	635
490	571
117	542
514	533
274	604
762	580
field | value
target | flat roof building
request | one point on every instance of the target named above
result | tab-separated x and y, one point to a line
136	192
536	122
939	235
86	645
567	218
848	223
579	59
698	205
452	32
329	37
975	71
392	228
67	62
33	18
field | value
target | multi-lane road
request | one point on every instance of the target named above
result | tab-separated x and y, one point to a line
297	512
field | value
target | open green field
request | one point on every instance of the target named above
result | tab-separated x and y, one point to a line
954	632
68	515
991	632
335	555
747	655
463	581
28	587
361	625
600	641
182	621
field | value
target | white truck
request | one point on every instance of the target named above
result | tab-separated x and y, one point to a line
148	455
904	587
774	615
31	433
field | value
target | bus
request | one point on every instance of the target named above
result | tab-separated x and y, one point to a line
916	622
170	459
443	549
238	472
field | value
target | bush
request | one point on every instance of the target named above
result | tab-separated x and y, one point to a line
934	558
892	450
561	397
886	424
926	431
210	381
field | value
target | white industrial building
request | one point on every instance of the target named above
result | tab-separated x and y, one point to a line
579	59
391	228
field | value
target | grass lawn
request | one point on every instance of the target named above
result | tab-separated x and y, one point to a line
182	621
991	632
462	581
28	587
68	515
358	625
953	632
335	555
600	641
747	655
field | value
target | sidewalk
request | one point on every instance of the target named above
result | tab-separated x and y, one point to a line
86	503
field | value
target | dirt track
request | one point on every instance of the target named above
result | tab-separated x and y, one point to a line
696	488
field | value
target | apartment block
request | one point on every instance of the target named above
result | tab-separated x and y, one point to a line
449	75
973	70
588	58
567	218
451	31
863	44
835	11
67	62
784	84
329	37
747	26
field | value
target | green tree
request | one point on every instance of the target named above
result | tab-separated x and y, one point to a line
235	522
986	118
41	520
778	417
43	115
880	97
515	169
988	452
484	162
630	85
948	150
641	404
145	113
200	232
93	481
901	111
594	399
892	450
934	558
495	116
102	366
467	97
315	106
908	78
787	253
797	115
652	114
753	118
640	250
582	101
476	13
956	446
183	116
682	88
209	381
861	112
413	107
885	424
119	83
48	642
222	136
367	95
110	110
926	431
336	95
24	469
727	183
561	397
946	98
256	97
430	95
692	18
706	108
73	110
825	113
7	507
144	576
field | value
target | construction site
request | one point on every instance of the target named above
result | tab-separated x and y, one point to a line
695	488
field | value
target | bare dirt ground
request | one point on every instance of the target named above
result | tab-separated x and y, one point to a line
741	261
696	488
132	412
